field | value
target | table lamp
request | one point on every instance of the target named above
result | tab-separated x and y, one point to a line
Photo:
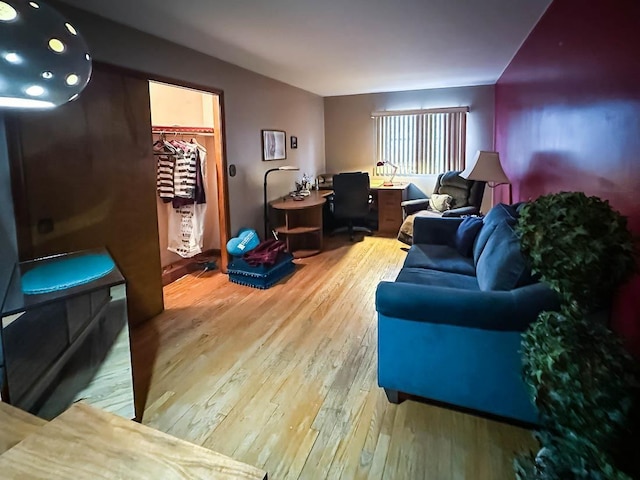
486	167
388	183
288	168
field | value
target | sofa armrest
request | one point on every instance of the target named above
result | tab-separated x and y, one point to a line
413	206
458	212
435	230
496	310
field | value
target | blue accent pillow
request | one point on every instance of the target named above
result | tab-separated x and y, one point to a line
466	234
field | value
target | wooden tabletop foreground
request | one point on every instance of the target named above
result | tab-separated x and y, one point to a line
88	443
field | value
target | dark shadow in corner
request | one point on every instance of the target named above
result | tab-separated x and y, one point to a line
145	342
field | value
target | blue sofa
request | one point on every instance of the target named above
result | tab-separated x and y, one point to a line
449	326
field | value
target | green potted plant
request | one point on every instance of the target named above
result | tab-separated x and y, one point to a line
583	381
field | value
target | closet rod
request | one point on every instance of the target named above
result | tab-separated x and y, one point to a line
182	130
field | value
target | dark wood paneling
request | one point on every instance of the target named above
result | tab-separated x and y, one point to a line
89	173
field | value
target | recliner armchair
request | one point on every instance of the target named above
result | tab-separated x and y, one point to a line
467	199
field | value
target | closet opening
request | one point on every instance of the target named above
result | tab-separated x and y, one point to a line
190	179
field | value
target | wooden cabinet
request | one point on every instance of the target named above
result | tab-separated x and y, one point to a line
390	214
84	177
67	344
300	223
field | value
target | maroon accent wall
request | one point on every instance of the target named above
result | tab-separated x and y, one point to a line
568	116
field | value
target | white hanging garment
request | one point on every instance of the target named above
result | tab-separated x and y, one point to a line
186	223
185	231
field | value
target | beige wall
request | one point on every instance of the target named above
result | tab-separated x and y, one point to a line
175	106
349	133
251	101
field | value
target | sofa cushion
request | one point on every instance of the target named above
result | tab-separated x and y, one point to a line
439	257
466	234
501	265
423	276
501	213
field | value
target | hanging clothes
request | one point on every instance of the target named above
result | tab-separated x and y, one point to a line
185	173
165	170
188	214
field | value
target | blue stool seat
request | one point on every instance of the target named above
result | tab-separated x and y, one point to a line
66	273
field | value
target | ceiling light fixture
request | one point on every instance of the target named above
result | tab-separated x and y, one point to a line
7	12
35	91
39	43
13	57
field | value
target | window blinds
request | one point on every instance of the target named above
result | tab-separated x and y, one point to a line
421	142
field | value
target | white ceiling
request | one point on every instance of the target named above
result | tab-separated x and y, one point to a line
340	47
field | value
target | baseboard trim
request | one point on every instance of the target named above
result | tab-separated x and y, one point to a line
179	269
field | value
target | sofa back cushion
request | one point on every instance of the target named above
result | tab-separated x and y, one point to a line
501	265
501	213
466	234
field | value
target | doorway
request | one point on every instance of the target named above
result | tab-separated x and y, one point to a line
189	120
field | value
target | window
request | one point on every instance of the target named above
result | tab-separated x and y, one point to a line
421	142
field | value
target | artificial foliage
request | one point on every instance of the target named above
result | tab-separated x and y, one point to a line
583	382
584	385
579	246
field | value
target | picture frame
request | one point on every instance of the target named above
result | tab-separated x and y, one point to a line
274	145
294	142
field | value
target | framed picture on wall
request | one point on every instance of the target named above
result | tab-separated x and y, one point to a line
274	145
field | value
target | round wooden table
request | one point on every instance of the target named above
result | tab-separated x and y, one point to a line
301	222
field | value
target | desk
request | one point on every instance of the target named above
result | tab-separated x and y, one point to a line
301	222
388	201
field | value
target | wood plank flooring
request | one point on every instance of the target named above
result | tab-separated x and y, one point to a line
285	378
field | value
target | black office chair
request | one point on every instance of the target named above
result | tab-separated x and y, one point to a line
351	201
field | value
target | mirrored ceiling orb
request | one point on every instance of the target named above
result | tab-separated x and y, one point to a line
44	61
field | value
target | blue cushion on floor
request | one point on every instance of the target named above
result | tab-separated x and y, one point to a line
66	273
466	234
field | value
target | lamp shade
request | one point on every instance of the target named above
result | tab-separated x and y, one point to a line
44	61
486	167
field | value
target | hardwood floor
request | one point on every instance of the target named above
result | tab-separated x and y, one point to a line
285	378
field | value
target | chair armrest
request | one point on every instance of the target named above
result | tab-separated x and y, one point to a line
458	212
435	230
413	206
511	311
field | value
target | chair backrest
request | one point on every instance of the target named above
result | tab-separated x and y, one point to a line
351	195
464	192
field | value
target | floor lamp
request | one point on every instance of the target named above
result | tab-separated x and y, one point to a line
288	168
486	167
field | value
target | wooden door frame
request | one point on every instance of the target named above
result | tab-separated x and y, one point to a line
221	160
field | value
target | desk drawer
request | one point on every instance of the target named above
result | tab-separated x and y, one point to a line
390	215
390	198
